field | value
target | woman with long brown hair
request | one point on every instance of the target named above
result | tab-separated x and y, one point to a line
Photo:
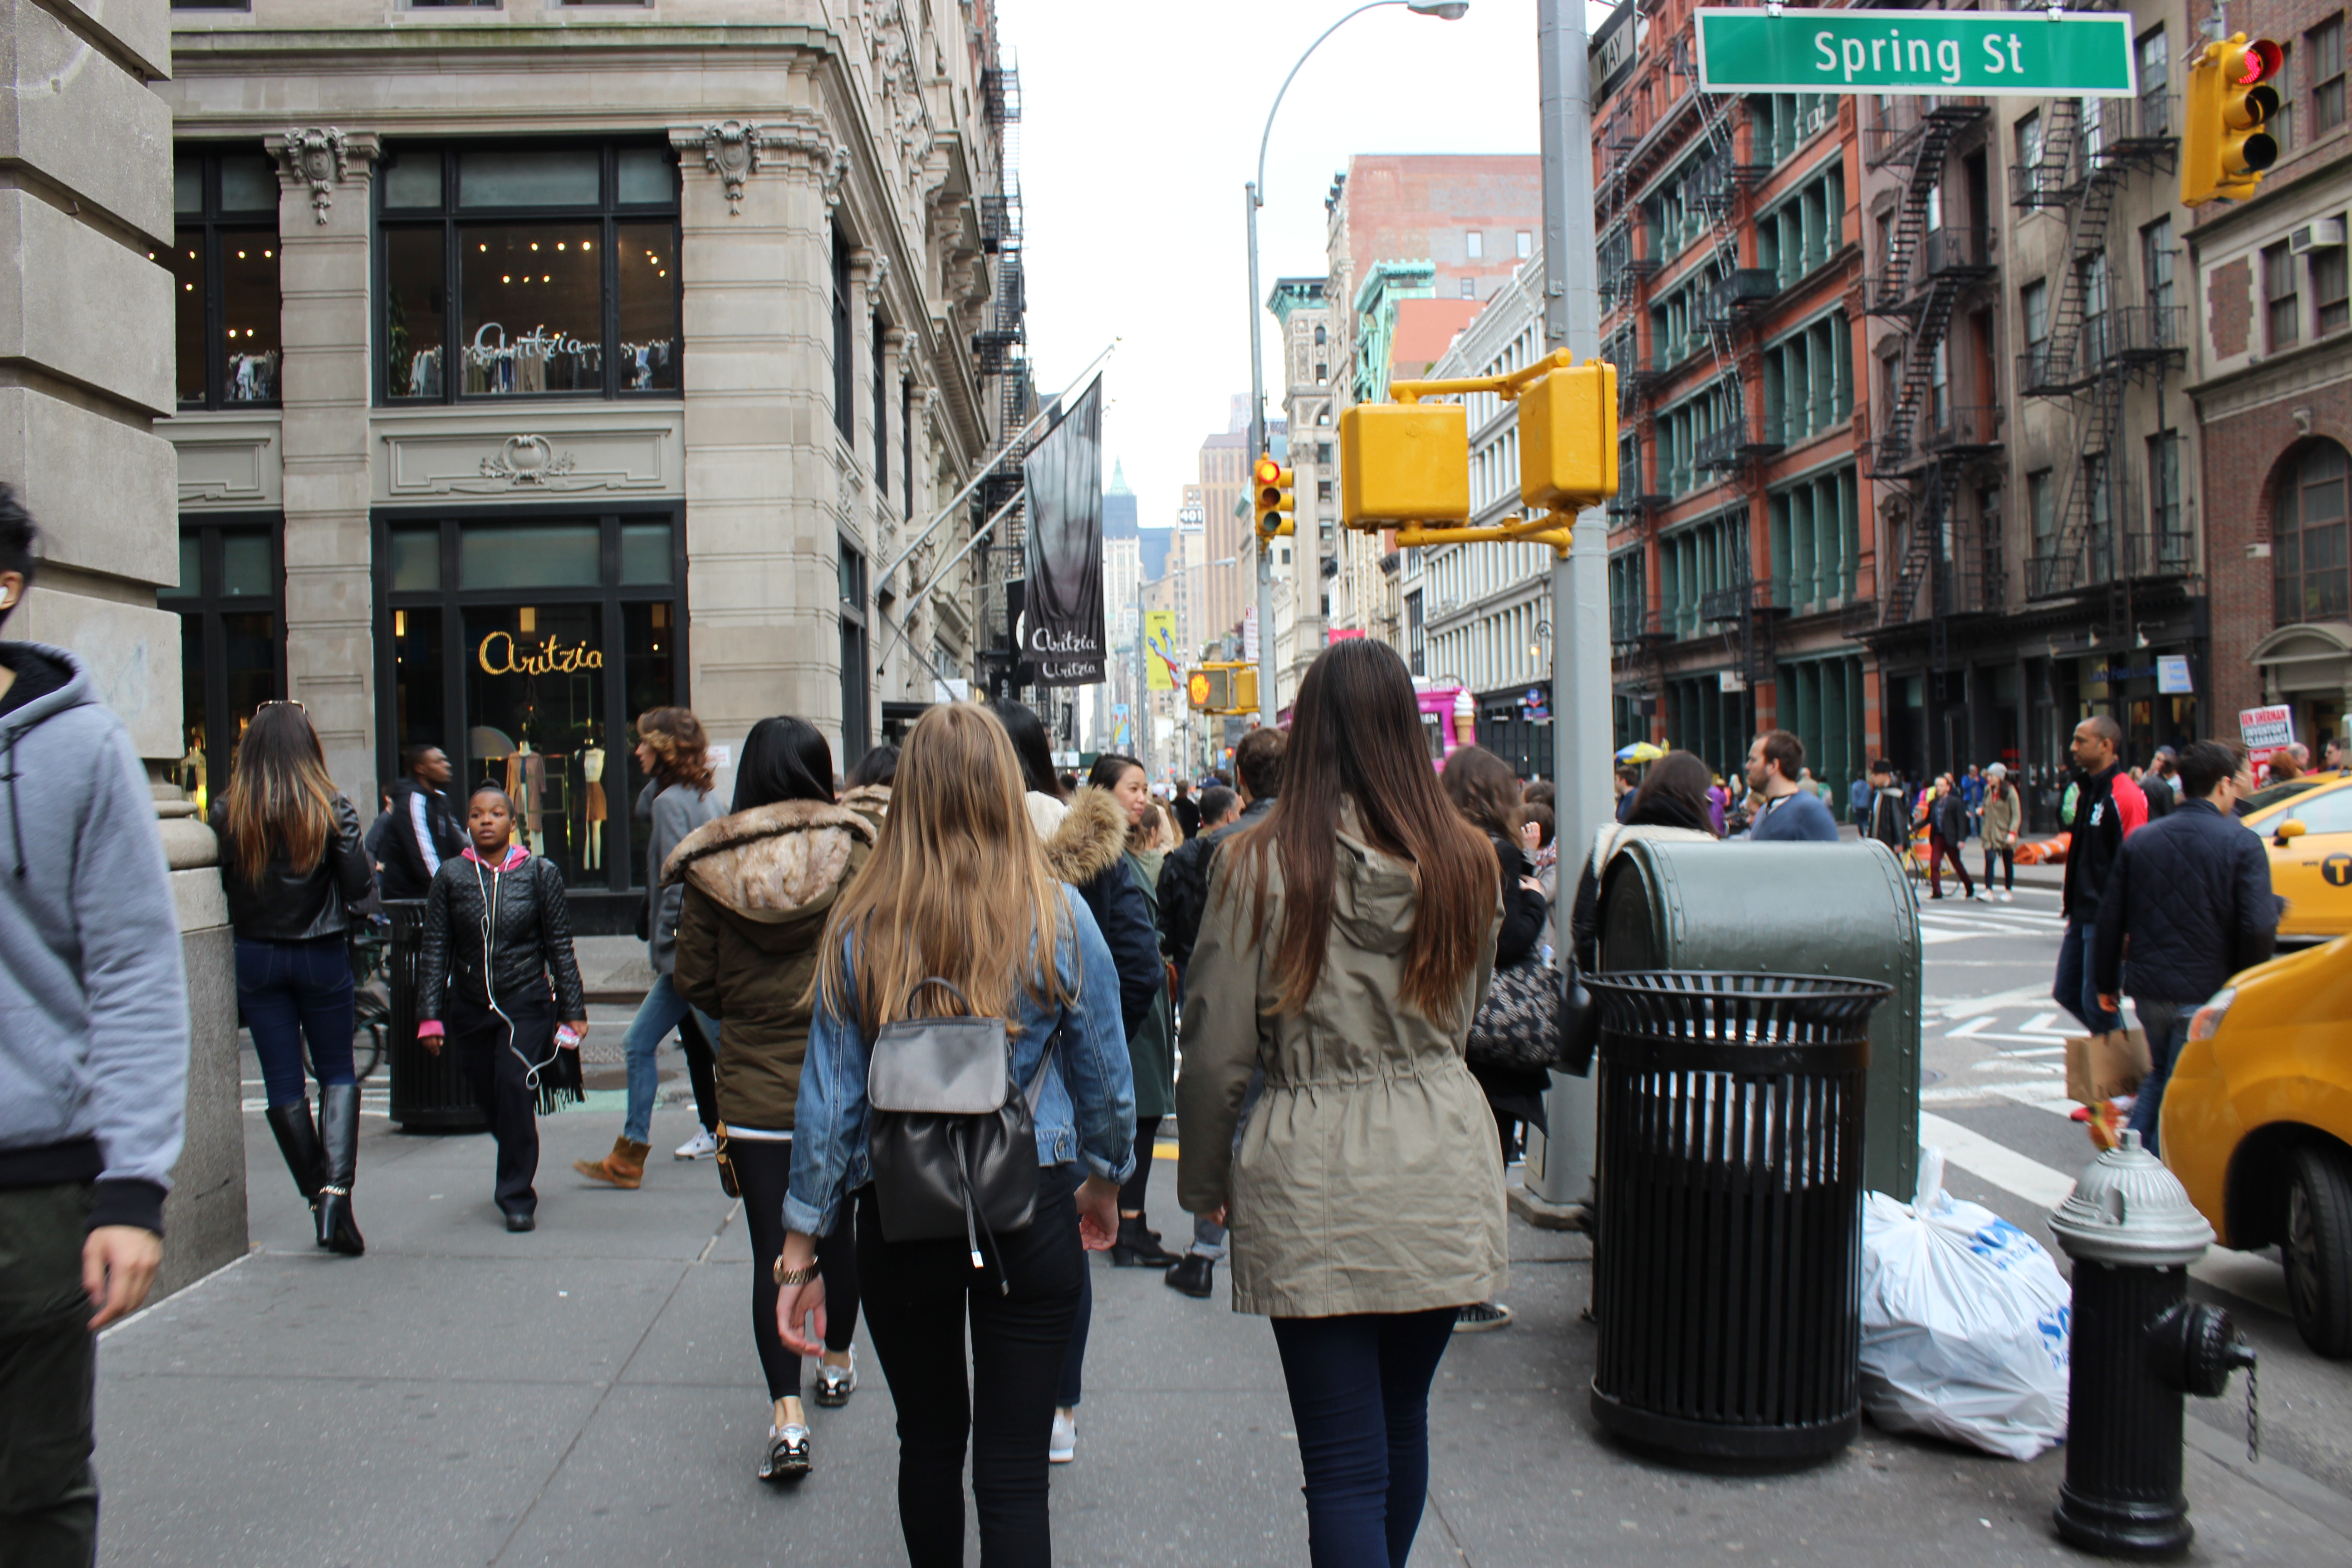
1348	938
958	890
292	864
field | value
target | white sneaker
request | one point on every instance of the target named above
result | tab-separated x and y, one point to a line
701	1146
2005	896
1062	1447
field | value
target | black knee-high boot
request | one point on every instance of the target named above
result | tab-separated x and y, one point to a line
338	1131
298	1141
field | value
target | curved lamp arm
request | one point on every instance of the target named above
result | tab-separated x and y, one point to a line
1451	10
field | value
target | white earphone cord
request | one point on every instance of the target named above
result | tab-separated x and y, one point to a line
490	895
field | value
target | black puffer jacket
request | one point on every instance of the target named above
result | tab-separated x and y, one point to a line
2192	893
285	906
1184	880
530	940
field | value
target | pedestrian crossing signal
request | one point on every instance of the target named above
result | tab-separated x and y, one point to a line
1222	688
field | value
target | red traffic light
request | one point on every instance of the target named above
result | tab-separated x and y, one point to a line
1267	472
2263	60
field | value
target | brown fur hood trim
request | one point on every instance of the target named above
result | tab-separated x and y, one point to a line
1090	840
772	862
871	800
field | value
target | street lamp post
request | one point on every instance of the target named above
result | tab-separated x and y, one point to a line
1451	11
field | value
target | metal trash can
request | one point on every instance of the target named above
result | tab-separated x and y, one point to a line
1727	1276
429	1092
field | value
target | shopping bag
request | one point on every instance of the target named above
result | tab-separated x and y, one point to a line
1965	1323
2100	1067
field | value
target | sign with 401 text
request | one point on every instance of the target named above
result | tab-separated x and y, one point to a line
2078	54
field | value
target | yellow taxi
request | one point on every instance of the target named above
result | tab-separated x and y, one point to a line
2310	837
2257	1124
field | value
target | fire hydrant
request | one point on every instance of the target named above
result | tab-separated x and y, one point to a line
2139	1345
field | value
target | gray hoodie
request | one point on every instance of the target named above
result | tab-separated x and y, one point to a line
94	1050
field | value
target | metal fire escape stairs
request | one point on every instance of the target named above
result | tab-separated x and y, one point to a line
999	351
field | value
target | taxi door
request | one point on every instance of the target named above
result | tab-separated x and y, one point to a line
2312	872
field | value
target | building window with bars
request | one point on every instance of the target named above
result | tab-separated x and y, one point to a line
2281	307
2308	545
2170	531
2326	42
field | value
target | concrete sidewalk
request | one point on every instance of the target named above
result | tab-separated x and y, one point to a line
588	1394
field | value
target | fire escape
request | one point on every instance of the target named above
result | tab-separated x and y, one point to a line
2094	349
1000	352
1929	267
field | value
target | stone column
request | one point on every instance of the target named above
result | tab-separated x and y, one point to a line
324	272
765	492
203	1219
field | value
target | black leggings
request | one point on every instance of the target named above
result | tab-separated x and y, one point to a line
1130	1191
919	1295
763	1168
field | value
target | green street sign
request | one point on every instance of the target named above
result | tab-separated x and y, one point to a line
2081	54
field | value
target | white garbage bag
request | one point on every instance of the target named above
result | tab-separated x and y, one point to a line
1964	1322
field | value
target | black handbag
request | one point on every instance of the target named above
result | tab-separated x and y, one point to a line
1516	1027
1579	1020
952	1136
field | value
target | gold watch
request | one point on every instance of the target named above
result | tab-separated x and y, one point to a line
787	1278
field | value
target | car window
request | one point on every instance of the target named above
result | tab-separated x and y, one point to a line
2327	812
2270	795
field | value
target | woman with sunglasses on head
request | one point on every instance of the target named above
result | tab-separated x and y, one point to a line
758	886
1347	940
292	864
956	844
496	975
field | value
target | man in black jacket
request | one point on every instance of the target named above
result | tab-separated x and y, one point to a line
2106	807
2192	899
1184	878
424	831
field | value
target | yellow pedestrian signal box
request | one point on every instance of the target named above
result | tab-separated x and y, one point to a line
2233	96
1568	437
1222	688
1405	462
1271	498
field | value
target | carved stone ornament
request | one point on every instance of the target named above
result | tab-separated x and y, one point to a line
730	150
526	460
874	282
320	157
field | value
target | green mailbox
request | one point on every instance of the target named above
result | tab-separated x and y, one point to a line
1789	909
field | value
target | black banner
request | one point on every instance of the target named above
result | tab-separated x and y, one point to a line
1062	612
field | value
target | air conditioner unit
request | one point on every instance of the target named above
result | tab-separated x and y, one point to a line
2325	233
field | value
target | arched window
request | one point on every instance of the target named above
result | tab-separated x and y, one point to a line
2308	545
1319	337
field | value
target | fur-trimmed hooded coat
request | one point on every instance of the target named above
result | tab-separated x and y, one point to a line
758	887
1087	849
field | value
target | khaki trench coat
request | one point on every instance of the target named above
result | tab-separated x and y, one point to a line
1369	1178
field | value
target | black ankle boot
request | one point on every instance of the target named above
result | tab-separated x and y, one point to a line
1137	1248
298	1141
338	1131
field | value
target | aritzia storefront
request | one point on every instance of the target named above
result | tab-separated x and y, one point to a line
524	641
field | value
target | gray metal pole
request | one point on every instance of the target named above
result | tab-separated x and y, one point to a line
1579	613
1143	686
1265	702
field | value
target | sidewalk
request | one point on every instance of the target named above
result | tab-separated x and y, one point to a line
588	1394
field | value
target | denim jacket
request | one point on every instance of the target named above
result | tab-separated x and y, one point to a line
1086	1112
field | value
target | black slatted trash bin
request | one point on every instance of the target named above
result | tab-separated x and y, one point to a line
429	1092
1728	1276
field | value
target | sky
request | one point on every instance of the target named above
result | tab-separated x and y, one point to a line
1139	128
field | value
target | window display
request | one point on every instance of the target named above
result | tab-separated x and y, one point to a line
224	267
232	642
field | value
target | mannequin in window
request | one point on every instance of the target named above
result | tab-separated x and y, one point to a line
591	834
526	786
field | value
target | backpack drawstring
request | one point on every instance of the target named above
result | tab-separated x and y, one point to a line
16	818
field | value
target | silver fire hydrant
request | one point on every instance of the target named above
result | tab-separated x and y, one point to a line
2139	1345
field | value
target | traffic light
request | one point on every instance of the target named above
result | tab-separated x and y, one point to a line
1404	462
1568	437
2232	96
1271	498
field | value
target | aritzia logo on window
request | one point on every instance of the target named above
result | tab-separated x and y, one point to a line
501	655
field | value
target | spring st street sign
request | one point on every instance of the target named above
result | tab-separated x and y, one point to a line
2079	55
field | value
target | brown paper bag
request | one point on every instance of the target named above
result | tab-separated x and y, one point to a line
2101	1067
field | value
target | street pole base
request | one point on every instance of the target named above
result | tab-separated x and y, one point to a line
1725	1447
2124	1527
1545	1215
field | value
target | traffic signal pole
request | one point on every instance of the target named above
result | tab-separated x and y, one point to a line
1265	692
1579	580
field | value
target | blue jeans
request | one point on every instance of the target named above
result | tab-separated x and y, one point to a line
292	990
1360	1396
2167	1025
2075	990
658	1014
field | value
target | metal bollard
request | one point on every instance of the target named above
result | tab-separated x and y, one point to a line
2139	1345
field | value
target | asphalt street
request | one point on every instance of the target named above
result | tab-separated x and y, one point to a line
589	1393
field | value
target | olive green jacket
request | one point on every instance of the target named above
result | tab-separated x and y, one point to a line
759	887
1369	1178
2004	813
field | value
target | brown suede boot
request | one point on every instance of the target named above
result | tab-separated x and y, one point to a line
623	1167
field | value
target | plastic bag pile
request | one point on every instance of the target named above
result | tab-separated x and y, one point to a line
1964	1322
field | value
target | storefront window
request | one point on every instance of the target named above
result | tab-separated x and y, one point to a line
564	265
232	642
224	267
2308	554
525	648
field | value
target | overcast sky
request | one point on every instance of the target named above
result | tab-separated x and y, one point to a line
1139	127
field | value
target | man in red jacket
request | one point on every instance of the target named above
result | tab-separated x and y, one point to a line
2108	808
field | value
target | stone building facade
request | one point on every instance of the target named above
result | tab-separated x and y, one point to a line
545	363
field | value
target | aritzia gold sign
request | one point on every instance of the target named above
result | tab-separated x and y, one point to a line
500	654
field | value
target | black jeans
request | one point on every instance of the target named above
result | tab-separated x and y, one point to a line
1359	1395
497	1061
48	1360
919	1297
763	1169
2007	853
